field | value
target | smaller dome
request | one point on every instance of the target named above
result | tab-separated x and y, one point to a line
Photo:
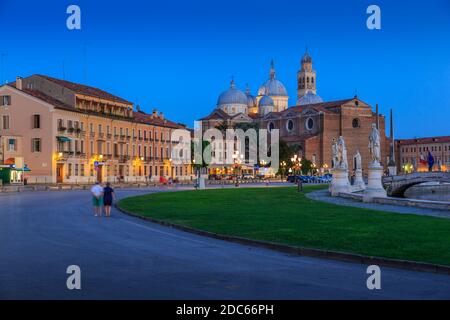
309	98
266	101
232	96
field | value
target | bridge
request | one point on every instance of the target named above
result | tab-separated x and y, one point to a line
397	185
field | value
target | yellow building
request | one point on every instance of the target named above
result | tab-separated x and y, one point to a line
72	133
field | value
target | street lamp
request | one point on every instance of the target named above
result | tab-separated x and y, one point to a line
283	168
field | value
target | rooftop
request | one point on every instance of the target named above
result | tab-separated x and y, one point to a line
427	140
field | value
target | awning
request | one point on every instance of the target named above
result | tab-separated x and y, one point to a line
63	139
26	169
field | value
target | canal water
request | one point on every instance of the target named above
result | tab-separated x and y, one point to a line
429	191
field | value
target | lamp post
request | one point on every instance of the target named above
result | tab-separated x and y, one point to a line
237	161
296	161
283	168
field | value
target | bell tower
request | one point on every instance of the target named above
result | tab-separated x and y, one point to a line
306	77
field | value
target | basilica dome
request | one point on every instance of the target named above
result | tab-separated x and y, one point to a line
309	98
272	87
266	101
232	96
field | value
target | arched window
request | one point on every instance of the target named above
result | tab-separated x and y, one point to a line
356	123
307	79
271	126
312	80
309	124
290	125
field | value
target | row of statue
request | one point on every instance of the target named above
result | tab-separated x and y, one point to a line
339	151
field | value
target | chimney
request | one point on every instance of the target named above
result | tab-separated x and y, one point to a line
161	115
154	113
19	83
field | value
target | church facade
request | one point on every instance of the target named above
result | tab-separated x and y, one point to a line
311	123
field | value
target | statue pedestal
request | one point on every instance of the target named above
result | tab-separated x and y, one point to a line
374	187
358	184
340	182
201	182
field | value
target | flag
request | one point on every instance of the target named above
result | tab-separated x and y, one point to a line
422	159
430	161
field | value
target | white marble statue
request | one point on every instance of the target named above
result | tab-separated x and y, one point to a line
375	145
342	153
335	153
358	160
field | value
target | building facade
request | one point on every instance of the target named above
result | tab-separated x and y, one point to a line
311	124
71	133
412	154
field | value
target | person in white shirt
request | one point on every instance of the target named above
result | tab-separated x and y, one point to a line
97	198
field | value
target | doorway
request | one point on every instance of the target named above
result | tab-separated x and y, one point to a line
99	173
59	172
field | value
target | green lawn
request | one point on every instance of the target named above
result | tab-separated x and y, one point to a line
283	215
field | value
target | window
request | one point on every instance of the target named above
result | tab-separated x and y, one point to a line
36	121
309	124
36	145
290	125
356	123
271	126
5	123
12	145
6	100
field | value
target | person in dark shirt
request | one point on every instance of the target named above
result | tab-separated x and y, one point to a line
108	197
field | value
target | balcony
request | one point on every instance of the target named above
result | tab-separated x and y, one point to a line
123	159
80	154
62	128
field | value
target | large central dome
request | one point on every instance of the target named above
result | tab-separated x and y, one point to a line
272	87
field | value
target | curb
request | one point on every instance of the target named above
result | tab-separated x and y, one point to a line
302	251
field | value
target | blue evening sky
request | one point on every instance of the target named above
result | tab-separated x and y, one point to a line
178	56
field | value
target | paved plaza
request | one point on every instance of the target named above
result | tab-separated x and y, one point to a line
42	233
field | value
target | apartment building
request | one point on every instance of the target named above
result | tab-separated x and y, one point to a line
412	154
72	133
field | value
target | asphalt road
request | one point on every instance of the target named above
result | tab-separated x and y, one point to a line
42	233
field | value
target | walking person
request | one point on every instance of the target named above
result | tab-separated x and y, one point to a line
97	198
108	197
